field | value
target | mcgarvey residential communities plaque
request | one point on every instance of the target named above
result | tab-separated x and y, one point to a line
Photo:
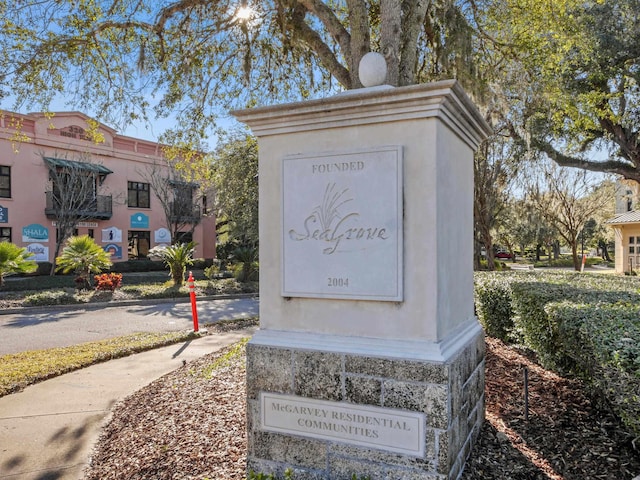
395	431
342	225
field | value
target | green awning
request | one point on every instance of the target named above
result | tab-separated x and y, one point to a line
91	167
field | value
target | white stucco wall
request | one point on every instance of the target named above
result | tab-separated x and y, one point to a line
438	130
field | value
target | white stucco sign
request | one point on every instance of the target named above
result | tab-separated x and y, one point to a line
342	225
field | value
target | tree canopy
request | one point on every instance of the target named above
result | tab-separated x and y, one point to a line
570	84
236	182
194	58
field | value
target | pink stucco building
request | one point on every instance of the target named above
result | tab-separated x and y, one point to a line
124	215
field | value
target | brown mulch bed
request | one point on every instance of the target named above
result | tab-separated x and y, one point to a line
191	424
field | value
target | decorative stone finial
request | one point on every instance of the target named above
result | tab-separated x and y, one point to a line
372	70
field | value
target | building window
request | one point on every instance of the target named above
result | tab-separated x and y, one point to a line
631	240
183	209
184	237
5	181
631	250
5	234
139	242
91	233
138	195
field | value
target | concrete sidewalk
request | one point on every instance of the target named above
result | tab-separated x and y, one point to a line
48	430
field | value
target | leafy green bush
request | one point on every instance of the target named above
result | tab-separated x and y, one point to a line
532	324
39	283
246	268
202	263
499	266
603	341
50	298
44	268
578	324
567	261
493	305
214	270
538	331
15	259
83	256
177	257
230	286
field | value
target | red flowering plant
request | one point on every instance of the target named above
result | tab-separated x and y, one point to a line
108	281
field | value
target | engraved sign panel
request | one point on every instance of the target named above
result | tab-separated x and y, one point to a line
342	225
395	431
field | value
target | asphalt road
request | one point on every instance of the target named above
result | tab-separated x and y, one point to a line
61	327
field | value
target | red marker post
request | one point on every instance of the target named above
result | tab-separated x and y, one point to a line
192	294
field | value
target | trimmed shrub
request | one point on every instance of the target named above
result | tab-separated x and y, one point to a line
541	333
578	324
493	305
202	263
44	268
604	342
40	283
142	265
532	324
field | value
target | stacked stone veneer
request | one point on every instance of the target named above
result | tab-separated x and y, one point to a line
450	394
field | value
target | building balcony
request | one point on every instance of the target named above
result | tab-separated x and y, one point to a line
185	213
99	207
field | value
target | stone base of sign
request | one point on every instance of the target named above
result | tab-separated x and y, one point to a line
442	383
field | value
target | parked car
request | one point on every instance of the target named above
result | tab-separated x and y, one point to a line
503	255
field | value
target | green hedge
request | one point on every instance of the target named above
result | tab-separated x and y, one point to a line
493	305
603	340
578	324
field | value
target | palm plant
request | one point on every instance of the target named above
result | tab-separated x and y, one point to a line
177	257
247	258
84	256
15	259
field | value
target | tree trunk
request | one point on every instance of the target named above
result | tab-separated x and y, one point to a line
488	247
414	16
574	254
360	37
477	254
605	251
390	29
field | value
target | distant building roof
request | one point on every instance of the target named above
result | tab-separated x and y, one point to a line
628	217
